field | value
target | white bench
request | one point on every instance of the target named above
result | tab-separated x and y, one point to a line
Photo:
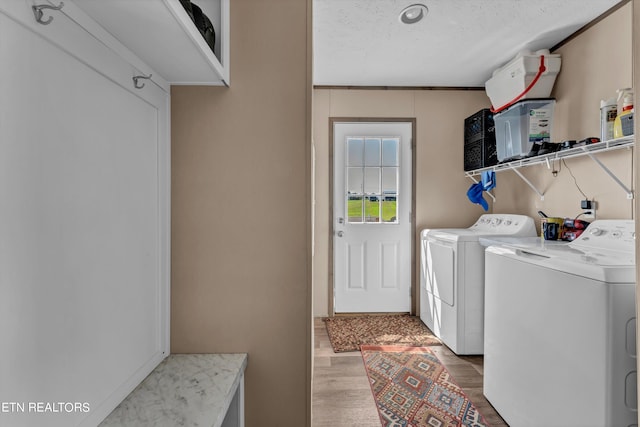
187	390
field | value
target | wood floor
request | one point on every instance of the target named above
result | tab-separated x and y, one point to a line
342	396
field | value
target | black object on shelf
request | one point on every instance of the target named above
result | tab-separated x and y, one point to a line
568	144
201	21
187	6
480	141
549	147
203	24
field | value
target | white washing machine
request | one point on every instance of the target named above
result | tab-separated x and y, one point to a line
452	278
560	330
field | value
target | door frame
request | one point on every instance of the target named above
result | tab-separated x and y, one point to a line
332	122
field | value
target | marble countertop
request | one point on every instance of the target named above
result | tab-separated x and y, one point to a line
183	390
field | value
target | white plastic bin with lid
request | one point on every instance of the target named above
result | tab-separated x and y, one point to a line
522	124
512	79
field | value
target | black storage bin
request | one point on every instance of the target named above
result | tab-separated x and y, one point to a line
480	141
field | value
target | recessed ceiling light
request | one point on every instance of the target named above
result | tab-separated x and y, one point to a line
414	13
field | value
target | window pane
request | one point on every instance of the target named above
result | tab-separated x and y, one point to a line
354	209
390	194
372	209
390	151
354	180
389	210
355	151
390	181
372	152
372	181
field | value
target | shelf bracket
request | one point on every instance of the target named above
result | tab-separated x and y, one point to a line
612	175
472	178
524	178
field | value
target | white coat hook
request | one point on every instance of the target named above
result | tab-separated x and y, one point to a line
37	12
140	85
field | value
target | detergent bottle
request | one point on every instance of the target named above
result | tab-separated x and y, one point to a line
623	124
608	114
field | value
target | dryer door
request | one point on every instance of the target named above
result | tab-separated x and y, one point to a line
441	270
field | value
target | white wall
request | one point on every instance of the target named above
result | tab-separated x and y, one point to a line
84	224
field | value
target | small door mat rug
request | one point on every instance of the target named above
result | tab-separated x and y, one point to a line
412	389
349	333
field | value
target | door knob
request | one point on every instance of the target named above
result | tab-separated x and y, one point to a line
340	233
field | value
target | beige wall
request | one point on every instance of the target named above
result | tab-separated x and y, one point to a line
240	211
441	187
594	65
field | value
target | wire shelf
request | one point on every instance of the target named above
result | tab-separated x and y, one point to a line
599	147
584	150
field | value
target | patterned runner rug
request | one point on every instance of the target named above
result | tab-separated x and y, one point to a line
349	333
412	389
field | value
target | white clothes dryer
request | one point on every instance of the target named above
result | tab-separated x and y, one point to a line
452	278
560	330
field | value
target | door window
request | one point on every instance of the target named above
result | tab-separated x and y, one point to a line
372	179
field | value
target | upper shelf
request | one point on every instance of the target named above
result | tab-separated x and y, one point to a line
613	144
161	33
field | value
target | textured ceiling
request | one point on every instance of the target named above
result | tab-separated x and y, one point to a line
459	43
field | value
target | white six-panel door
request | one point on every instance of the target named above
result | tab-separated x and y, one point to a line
372	216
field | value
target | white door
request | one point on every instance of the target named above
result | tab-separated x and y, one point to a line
372	216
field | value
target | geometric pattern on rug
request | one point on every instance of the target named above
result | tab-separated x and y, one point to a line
348	333
413	389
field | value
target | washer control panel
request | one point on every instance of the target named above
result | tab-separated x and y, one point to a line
614	234
505	224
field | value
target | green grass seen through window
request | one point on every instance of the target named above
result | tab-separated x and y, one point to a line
372	209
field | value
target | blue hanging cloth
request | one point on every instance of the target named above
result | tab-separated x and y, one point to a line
475	195
488	180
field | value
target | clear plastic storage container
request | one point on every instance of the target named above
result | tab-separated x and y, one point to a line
522	124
